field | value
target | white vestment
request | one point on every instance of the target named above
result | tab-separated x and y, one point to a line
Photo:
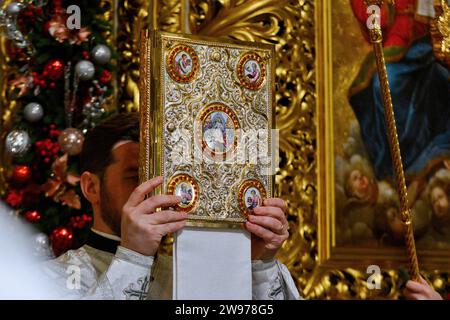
105	270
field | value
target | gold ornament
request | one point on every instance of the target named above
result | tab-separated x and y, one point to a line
71	141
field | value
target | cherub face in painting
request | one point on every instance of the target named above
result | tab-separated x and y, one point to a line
440	202
359	185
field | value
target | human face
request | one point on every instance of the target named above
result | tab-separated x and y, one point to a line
440	203
119	181
218	123
359	184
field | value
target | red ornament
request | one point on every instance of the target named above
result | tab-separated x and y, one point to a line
53	132
54	69
79	222
14	198
33	216
47	149
85	55
14	52
29	15
61	240
21	174
105	77
38	11
43	84
57	6
47	26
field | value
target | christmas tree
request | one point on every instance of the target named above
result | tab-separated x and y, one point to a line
61	87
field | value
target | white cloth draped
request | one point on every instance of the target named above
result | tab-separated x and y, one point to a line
212	264
130	275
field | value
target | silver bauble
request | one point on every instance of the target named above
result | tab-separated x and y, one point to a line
84	70
71	141
42	248
101	54
33	112
14	8
17	143
41	240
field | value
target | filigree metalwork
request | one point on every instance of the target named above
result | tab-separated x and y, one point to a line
211	127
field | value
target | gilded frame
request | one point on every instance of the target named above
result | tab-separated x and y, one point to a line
329	255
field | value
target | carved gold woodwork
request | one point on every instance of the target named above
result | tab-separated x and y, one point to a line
440	31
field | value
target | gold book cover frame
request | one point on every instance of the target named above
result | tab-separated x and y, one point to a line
207	120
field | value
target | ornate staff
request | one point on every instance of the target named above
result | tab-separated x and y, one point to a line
376	38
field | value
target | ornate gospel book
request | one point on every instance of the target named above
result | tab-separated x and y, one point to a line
207	120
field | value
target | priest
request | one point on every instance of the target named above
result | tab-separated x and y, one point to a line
120	259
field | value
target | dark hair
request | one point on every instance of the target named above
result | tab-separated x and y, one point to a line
96	154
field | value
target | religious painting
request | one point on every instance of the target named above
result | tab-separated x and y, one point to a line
252	198
365	209
219	125
184	186
251	195
185	191
251	71
183	63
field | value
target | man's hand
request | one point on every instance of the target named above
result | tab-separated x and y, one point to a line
269	228
142	228
420	291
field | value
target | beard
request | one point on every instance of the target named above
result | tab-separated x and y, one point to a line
110	215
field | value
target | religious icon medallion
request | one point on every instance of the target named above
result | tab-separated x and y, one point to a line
218	130
251	71
251	194
186	187
182	63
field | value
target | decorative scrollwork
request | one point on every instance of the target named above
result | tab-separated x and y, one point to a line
132	16
440	31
